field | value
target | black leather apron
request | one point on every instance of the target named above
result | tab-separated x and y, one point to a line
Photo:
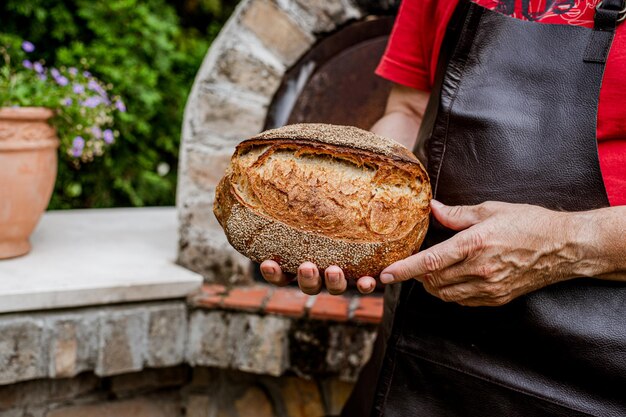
512	118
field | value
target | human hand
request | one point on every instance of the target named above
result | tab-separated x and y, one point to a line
310	281
501	252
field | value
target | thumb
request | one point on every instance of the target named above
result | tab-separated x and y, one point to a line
456	217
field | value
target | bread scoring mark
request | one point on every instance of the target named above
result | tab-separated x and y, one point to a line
331	191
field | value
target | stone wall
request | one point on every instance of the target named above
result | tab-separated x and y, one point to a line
224	393
259	329
178	391
107	341
151	393
219	353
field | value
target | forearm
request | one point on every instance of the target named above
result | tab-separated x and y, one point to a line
398	126
600	237
403	115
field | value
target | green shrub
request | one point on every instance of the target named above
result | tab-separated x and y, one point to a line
143	49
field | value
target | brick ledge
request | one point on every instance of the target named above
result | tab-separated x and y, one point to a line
290	302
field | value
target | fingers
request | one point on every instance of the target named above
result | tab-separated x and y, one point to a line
274	275
309	279
336	283
366	284
433	259
335	280
459	217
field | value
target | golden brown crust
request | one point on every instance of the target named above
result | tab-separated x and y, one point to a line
331	195
343	136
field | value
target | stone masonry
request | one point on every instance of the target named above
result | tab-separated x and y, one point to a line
251	351
107	341
243	330
178	391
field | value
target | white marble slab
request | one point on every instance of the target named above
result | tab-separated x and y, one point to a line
97	256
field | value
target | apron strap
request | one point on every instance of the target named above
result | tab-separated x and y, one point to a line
609	13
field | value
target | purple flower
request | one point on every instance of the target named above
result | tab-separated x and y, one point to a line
78	143
27	64
42	77
91	102
73	71
62	81
119	104
97	132
55	73
108	136
67	102
87	74
38	67
95	87
28	47
78	89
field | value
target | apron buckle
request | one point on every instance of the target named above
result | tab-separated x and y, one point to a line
621	13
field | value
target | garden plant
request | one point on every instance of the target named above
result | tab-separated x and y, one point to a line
148	51
83	105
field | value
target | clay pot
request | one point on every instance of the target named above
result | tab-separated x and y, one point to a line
28	169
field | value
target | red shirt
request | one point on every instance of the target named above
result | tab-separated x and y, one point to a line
413	50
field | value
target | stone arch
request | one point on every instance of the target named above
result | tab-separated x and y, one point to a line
229	101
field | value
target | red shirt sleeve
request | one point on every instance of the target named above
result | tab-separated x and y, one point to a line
413	48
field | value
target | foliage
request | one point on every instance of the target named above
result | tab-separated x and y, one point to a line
83	109
142	49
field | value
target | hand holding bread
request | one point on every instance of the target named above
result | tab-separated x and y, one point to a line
338	197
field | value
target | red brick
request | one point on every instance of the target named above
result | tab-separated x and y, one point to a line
369	309
210	296
287	302
247	298
211	301
213	289
330	307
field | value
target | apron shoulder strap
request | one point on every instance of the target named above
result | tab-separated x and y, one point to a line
609	13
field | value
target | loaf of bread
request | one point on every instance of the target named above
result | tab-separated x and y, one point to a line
332	195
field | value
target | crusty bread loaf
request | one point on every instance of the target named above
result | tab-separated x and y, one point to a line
332	195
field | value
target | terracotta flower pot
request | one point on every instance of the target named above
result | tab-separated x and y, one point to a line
28	168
